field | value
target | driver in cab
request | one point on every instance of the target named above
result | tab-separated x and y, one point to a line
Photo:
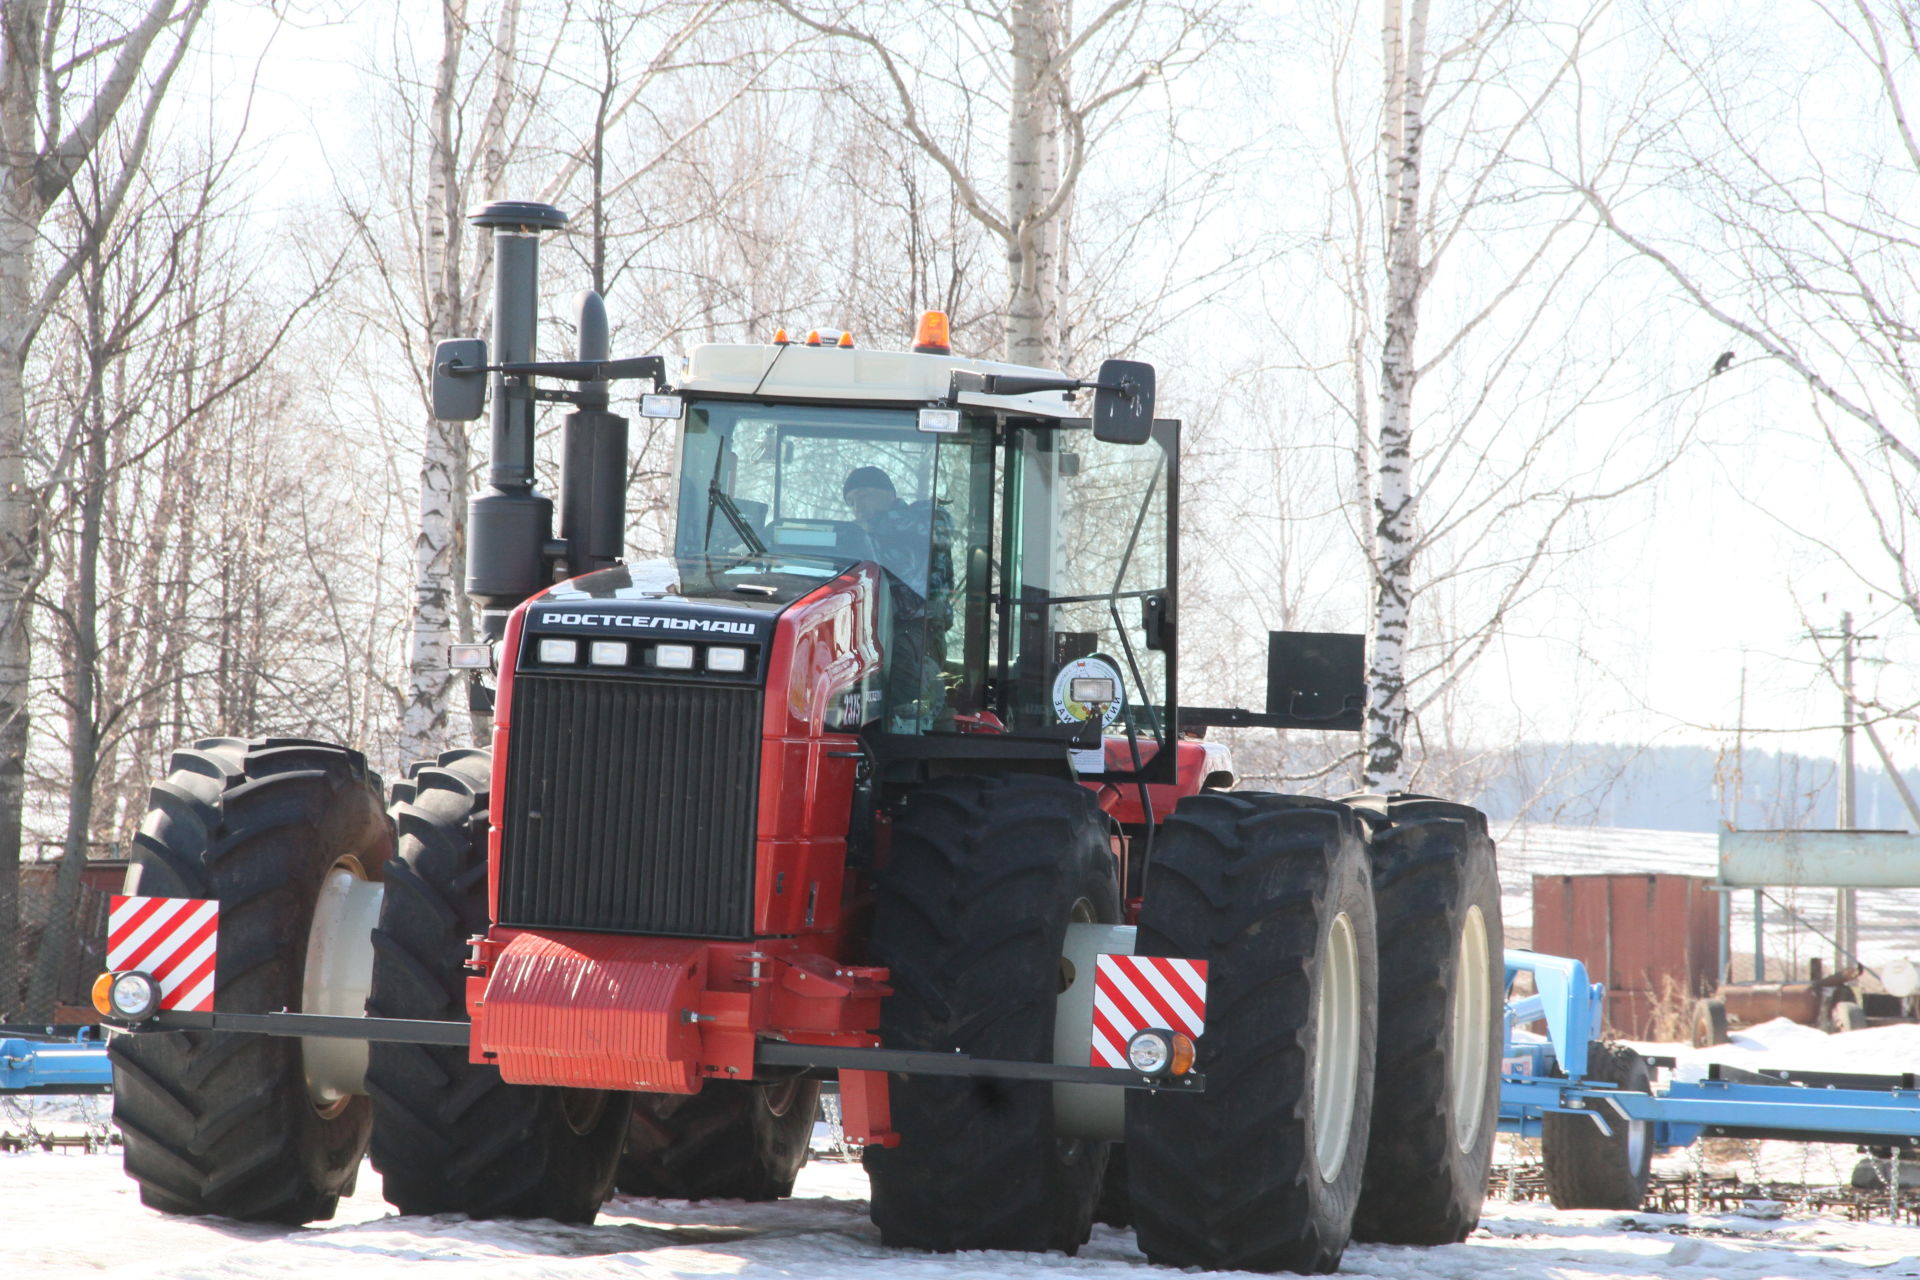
912	542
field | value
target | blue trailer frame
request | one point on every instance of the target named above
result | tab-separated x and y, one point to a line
1551	1076
55	1064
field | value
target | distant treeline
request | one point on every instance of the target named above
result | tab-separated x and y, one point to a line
1682	788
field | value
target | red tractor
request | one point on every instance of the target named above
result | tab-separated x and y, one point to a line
882	779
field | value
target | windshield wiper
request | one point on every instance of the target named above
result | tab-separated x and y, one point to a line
718	497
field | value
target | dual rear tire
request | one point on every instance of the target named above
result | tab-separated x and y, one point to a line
221	1123
1262	1171
1312	914
984	876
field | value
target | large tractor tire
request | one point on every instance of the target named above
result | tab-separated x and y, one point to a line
221	1123
973	904
1587	1169
730	1141
1436	1086
1262	1171
450	1136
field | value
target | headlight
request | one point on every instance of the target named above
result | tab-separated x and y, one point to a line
134	996
559	651
726	658
470	657
1154	1052
607	653
1150	1052
673	657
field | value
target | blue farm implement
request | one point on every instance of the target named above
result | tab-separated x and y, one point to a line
44	1060
1600	1113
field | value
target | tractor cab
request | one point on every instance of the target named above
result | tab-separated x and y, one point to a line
1025	563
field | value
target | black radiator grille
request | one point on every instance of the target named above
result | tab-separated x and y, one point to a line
630	807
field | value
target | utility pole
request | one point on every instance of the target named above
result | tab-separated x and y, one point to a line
1845	919
1848	918
1739	791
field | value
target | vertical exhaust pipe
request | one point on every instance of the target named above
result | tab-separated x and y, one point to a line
508	525
593	467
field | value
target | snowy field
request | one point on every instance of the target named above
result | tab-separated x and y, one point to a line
69	1215
75	1215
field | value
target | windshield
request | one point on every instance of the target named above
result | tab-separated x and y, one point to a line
843	485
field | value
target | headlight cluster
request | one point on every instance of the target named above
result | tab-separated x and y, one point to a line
626	655
131	996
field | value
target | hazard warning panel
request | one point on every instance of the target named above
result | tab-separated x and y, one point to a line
173	941
1133	993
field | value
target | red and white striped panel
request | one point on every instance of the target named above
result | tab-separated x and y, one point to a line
173	941
1132	993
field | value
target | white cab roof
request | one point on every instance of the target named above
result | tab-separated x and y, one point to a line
851	373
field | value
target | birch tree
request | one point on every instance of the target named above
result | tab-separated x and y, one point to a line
72	79
1058	85
452	265
1467	360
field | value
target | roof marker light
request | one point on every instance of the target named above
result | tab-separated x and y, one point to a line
931	337
813	337
779	337
846	339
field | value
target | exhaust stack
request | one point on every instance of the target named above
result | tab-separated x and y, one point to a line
593	464
509	525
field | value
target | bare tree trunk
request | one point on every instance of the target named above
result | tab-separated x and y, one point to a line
1052	119
82	610
443	472
1034	212
440	612
1395	501
17	557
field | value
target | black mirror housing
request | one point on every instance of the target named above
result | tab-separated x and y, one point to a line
1316	680
1123	403
459	397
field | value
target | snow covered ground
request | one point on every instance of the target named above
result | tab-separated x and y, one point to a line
75	1215
69	1215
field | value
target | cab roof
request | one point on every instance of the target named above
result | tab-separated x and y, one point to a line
797	371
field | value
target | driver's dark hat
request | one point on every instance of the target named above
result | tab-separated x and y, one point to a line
866	478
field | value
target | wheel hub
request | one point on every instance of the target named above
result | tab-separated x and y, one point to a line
1472	1006
1336	1052
338	975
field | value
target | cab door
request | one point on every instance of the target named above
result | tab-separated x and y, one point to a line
1088	555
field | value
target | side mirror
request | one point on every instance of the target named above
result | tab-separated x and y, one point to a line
459	397
1123	404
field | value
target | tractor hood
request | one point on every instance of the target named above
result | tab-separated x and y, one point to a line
691	601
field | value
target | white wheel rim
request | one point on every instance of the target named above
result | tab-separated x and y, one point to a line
1636	1146
1471	1058
1336	1048
336	980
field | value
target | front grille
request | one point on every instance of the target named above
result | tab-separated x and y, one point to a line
630	807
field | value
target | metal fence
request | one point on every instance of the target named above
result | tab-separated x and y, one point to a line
75	946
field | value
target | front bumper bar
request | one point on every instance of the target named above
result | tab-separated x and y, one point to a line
767	1053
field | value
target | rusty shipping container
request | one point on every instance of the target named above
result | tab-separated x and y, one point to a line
1648	937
